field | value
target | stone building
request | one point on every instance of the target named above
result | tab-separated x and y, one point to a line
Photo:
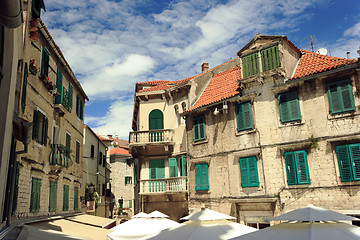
277	132
49	98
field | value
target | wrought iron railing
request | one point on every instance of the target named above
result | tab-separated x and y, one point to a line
60	155
151	136
165	185
63	99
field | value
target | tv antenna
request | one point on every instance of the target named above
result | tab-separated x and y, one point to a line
312	40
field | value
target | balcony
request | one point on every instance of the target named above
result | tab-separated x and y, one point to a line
60	155
165	185
62	101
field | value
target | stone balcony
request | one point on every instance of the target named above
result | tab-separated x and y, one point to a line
163	185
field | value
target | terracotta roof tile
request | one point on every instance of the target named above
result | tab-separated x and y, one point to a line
311	63
119	151
222	86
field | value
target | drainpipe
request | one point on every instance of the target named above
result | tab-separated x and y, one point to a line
97	169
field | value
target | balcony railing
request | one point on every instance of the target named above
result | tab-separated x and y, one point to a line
60	155
152	136
165	185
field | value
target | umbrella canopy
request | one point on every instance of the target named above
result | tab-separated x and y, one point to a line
140	215
197	230
207	215
157	214
312	213
139	227
304	231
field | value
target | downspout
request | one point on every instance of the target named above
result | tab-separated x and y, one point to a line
97	169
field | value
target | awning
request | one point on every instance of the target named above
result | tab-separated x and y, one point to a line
93	220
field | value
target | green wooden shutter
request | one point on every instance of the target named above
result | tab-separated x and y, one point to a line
347	96
196	129
81	110
77	156
355	158
173	167
59	86
38	194
202	133
250	64
76	200
23	95
53	197
66	198
290	168
244	171
44	71
204	177
270	58
344	163
130	203
78	106
70	96
340	97
199	128
35	195
45	131
35	135
183	166
244	116
302	167
289	107
157	168
249	172
198	177
32	196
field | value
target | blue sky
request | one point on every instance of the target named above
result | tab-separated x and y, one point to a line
111	45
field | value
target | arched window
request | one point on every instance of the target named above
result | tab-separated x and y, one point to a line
156	122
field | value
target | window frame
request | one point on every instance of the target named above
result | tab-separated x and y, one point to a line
294	168
349	167
250	64
128	180
244	116
198	126
340	97
202	177
249	171
35	195
40	128
288	106
52	196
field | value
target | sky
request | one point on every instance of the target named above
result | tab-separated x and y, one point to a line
112	44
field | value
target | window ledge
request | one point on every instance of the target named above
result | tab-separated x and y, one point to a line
342	115
281	125
243	132
298	186
201	142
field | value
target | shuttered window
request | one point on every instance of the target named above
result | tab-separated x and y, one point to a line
349	162
52	196
40	127
23	94
79	107
202	176
289	107
297	168
340	95
66	198
157	168
270	58
77	153
250	64
35	195
128	180
44	71
183	166
76	198
70	96
173	167
249	172
244	116
199	128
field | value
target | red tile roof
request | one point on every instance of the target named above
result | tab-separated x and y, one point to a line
222	86
311	63
119	151
104	138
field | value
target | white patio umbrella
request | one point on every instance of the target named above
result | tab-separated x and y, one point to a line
157	214
205	224
313	223
140	215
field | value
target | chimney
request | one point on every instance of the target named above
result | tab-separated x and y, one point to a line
110	136
204	67
348	55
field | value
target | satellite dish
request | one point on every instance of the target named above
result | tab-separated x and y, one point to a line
322	51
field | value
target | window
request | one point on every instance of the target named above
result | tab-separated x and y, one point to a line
183	166
100	158
76	198
44	71
36	6
53	196
35	195
92	151
59	86
40	127
244	116
340	95
66	198
68	145
104	160
349	162
270	58
128	180
79	107
70	97
23	94
199	128
130	203
289	107
77	156
201	176
249	172
1	52
173	167
297	168
250	64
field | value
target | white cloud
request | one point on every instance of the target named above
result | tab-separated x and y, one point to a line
354	31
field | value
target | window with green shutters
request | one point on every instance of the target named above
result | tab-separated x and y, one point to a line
128	180
35	195
173	167
250	64
349	162
270	58
66	198
199	128
156	171
340	95
297	169
77	153
45	58
36	6
289	107
244	116
79	107
130	203
59	86
76	198
68	145
156	122
183	166
23	94
202	176
249	172
40	127
52	196
70	97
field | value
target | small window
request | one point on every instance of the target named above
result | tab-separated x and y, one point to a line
40	127
128	180
250	64
35	195
66	198
289	107
249	172
77	156
340	95
52	197
270	58
297	168
44	71
76	198
92	151
349	162
201	176
199	128
23	94
183	166
244	116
